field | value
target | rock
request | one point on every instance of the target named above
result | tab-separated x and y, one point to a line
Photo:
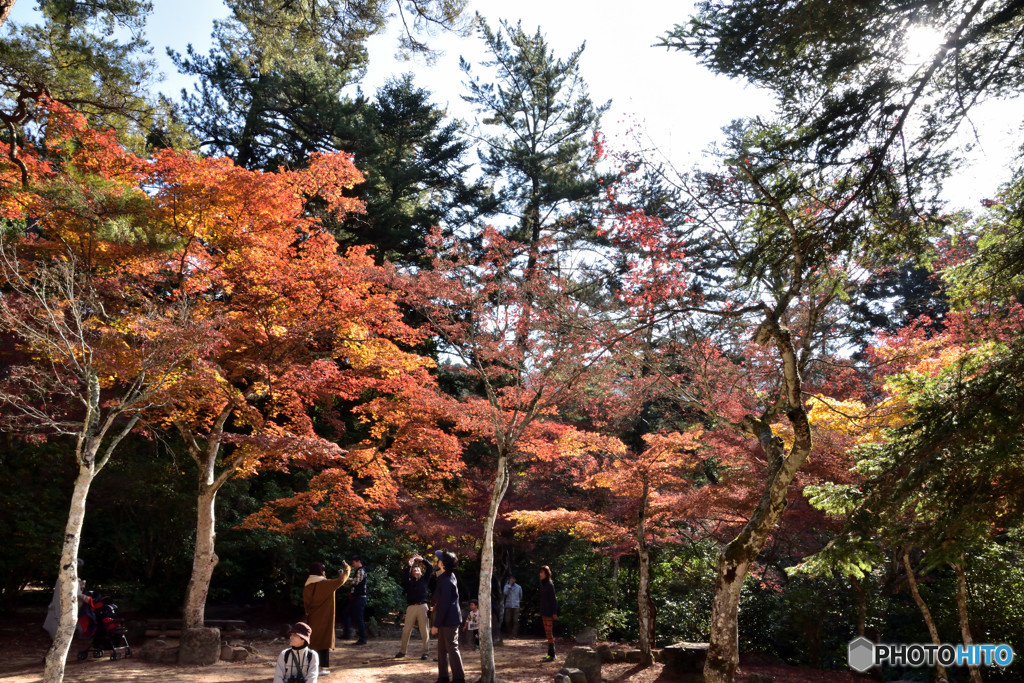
684	657
618	655
574	675
587	660
605	652
634	656
225	653
586	636
239	654
561	678
199	646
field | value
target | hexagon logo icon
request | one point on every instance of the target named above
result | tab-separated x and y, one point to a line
861	654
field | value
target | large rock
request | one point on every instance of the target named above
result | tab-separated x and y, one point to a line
586	636
587	660
605	650
199	646
684	657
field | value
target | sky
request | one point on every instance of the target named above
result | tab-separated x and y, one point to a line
675	105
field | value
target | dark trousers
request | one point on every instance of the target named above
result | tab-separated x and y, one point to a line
325	658
356	608
448	653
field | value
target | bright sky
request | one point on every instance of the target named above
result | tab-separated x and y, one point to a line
678	105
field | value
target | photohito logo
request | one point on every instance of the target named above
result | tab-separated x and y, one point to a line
862	654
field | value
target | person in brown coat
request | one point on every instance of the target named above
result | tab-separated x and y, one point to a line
318	599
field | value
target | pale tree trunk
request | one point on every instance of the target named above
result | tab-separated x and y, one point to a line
645	606
925	612
487	671
5	10
53	672
735	559
961	608
204	560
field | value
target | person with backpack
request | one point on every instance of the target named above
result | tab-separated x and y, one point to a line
298	663
318	599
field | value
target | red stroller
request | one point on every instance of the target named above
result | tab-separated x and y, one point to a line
99	620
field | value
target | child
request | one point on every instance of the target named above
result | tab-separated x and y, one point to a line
473	623
298	663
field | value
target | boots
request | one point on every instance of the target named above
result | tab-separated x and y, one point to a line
551	653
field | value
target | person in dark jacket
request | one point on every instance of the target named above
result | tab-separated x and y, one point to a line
417	594
447	619
357	597
548	609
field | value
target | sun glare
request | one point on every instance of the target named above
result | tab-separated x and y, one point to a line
921	43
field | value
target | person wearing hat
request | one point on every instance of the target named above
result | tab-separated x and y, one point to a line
318	599
299	662
447	619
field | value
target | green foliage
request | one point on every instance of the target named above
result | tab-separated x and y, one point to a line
994	273
93	57
539	123
412	158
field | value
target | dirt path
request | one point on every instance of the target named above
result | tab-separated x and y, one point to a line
517	661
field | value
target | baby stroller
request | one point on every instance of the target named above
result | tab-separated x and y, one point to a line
99	620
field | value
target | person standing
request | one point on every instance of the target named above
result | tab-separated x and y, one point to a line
417	594
299	661
513	593
447	619
548	609
357	599
318	599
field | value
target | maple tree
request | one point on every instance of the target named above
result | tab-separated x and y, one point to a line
92	356
648	495
504	318
298	326
743	351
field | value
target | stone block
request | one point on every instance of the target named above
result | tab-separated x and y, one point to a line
239	654
587	660
199	646
605	651
684	657
634	656
225	653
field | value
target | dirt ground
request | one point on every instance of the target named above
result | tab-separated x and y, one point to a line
517	661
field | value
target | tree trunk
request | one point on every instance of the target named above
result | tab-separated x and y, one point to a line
487	671
925	612
961	608
5	10
645	606
53	671
735	559
204	560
